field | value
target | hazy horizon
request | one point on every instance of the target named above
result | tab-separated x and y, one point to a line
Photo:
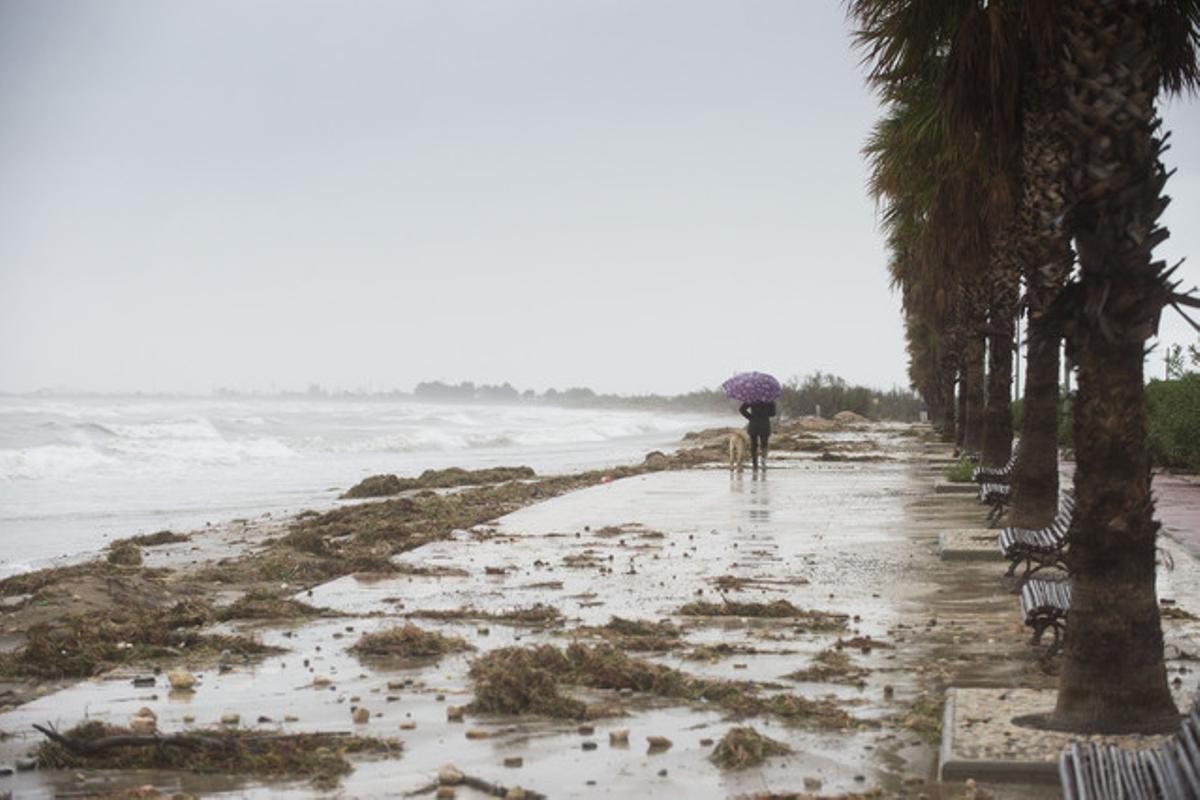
636	198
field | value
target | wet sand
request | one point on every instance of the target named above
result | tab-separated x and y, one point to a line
853	538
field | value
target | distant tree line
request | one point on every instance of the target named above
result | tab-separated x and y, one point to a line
819	391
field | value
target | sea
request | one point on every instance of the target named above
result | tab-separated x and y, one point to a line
76	472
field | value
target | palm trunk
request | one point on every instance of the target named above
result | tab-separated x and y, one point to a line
1035	475
948	404
998	425
1047	262
1113	677
974	390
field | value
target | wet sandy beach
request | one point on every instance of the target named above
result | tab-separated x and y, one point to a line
853	539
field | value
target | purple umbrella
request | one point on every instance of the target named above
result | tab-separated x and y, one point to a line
753	387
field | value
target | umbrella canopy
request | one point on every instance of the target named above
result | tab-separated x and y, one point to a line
753	387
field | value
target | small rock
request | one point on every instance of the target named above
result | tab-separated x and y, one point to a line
361	716
189	719
813	784
706	742
514	761
515	793
321	680
291	718
589	745
144	722
889	692
181	680
619	736
585	730
444	793
230	719
658	743
450	775
143	680
455	713
477	733
662	773
408	726
26	764
264	719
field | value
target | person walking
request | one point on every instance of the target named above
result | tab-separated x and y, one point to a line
759	427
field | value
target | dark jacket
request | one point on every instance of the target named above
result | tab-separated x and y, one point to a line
759	415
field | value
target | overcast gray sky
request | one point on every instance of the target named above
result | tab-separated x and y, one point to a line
635	196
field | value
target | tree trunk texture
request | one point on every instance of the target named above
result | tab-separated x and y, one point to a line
1047	261
1035	475
949	359
1005	280
1113	678
973	369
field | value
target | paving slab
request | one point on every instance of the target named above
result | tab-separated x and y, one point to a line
969	544
981	741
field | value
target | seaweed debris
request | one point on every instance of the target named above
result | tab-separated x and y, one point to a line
453	477
264	604
813	621
153	539
744	747
527	679
635	635
82	646
318	757
408	641
924	718
536	614
831	666
124	554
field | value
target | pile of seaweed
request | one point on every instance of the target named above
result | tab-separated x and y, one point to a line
536	614
84	645
267	604
318	757
744	747
812	621
831	666
515	680
635	635
453	477
408	641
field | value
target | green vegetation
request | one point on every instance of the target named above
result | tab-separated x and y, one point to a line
1173	412
960	472
833	394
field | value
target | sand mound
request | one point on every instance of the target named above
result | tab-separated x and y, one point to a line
849	418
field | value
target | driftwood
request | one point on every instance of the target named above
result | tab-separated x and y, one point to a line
190	741
89	747
479	784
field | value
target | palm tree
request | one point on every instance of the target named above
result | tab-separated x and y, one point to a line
1103	140
1113	65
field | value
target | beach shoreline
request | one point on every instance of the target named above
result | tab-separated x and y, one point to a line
843	525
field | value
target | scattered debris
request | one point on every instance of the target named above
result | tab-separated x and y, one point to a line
812	621
385	485
263	604
536	614
319	757
408	641
831	666
745	747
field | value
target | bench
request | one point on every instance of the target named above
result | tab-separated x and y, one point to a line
1045	547
1045	605
997	496
995	474
1170	771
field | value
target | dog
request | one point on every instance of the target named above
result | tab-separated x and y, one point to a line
739	448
